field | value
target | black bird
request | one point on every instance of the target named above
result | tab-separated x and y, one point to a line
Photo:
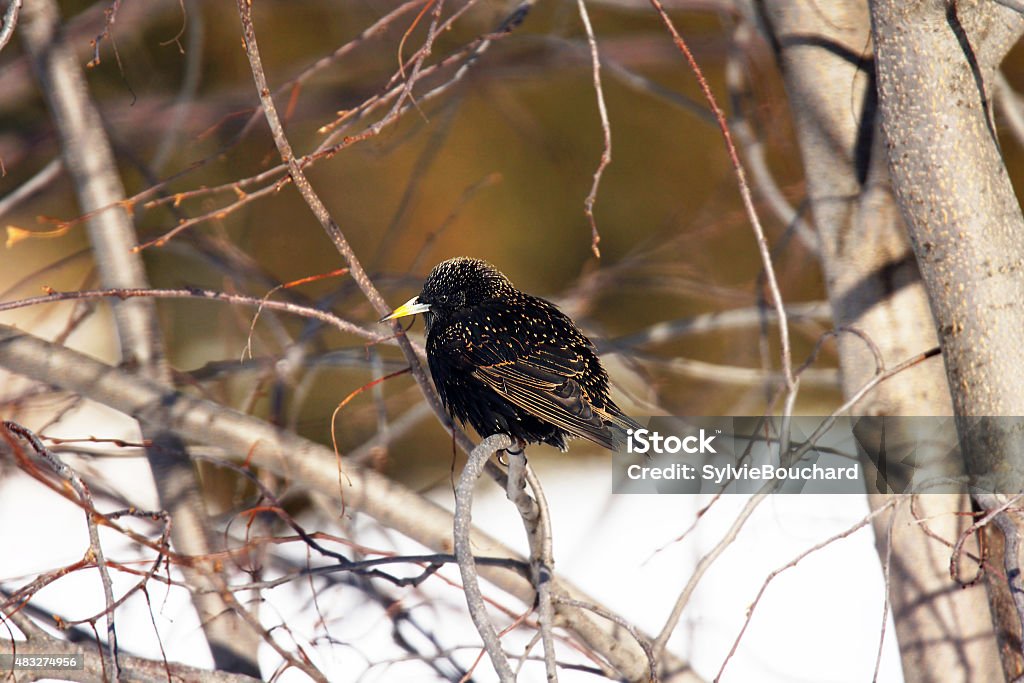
510	363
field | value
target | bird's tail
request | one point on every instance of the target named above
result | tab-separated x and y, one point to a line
620	426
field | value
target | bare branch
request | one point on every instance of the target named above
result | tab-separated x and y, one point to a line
602	109
748	200
464	552
789	565
43	643
197	293
112	663
89	160
717	321
753	148
306	463
10	21
542	567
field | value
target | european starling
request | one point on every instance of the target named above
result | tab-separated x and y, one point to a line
508	362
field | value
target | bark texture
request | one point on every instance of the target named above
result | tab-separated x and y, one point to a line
824	52
937	66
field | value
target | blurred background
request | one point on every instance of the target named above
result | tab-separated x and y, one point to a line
497	167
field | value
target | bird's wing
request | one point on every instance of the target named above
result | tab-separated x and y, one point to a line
544	381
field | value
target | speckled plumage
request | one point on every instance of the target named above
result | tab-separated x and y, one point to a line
508	362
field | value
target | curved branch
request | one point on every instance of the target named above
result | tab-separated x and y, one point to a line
463	524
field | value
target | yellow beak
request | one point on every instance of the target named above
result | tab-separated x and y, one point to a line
410	307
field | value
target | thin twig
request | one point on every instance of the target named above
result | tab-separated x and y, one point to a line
372	31
983	564
464	551
59	468
789	565
886	569
43	177
468	55
542	566
606	129
748	200
418	59
736	74
705	562
730	535
632	630
958	547
197	293
196	27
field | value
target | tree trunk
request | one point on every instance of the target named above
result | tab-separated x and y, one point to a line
944	633
936	66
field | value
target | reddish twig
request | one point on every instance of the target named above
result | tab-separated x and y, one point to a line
340	406
958	547
285	285
745	194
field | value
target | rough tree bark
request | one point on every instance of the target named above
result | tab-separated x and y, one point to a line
823	49
937	64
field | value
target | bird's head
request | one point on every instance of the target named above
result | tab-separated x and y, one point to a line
454	286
